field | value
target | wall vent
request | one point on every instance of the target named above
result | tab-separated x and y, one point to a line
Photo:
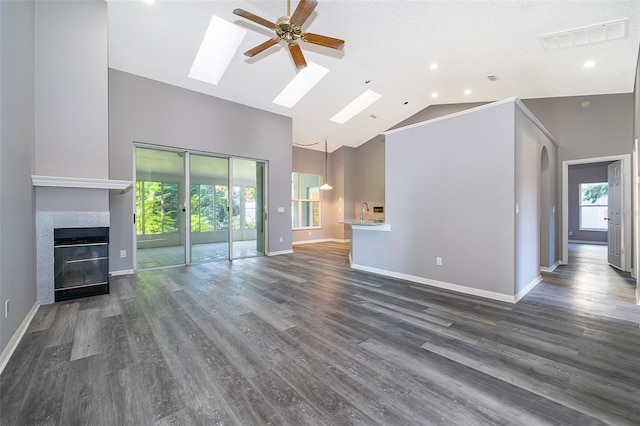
590	34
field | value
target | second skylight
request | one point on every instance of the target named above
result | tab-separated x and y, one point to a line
301	84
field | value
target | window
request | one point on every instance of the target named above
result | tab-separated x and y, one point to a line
156	207
305	200
593	206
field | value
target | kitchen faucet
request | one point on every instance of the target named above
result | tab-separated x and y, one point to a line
364	203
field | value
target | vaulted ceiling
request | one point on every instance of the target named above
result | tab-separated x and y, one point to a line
390	48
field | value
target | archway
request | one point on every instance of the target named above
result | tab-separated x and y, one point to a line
547	215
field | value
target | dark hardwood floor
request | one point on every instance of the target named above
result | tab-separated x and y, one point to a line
302	339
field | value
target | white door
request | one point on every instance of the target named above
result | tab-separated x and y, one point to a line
615	216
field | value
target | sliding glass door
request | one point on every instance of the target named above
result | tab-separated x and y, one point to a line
194	208
247	208
159	214
209	208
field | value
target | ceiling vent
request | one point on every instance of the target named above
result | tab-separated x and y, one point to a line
492	77
597	33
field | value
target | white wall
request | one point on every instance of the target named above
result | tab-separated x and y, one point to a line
17	142
71	89
147	111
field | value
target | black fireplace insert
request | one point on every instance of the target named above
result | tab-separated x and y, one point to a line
81	262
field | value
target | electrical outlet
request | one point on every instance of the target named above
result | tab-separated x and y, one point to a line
439	261
6	308
571	233
281	239
123	253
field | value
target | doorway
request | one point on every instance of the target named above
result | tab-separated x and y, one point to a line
623	213
197	207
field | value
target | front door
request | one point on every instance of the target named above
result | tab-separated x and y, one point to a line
615	216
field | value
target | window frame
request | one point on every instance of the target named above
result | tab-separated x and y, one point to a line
581	206
299	202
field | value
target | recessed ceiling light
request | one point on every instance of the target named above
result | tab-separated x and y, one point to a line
219	45
467	92
355	107
433	66
301	84
589	64
434	95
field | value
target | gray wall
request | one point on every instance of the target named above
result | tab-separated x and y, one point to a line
636	135
356	174
448	203
147	111
536	199
71	88
17	143
370	176
604	128
583	173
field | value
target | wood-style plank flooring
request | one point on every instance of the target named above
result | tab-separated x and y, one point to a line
303	339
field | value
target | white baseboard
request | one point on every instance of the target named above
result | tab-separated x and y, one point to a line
528	287
17	337
324	240
122	272
278	253
598	243
440	284
551	268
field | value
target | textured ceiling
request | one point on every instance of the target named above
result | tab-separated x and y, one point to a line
389	43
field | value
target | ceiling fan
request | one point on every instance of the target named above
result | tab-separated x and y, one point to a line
288	29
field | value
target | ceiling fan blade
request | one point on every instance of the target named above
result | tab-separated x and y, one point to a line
334	43
296	54
255	18
262	46
302	12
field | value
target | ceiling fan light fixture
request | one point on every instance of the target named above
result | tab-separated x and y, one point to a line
218	47
301	84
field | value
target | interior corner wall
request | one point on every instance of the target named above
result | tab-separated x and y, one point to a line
71	60
577	174
343	172
17	145
369	177
147	111
533	248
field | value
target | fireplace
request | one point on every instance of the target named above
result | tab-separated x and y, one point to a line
81	262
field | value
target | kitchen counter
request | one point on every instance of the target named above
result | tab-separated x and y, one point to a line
371	224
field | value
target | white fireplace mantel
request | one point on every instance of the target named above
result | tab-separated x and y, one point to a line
120	186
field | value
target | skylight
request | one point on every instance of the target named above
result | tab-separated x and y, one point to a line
219	45
355	107
301	84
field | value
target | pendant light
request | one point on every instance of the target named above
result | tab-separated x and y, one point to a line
325	186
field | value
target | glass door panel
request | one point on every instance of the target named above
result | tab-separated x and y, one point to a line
160	219
248	208
209	208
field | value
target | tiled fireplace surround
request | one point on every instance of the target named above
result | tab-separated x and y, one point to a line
63	208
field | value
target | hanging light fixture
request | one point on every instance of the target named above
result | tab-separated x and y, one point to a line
325	186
